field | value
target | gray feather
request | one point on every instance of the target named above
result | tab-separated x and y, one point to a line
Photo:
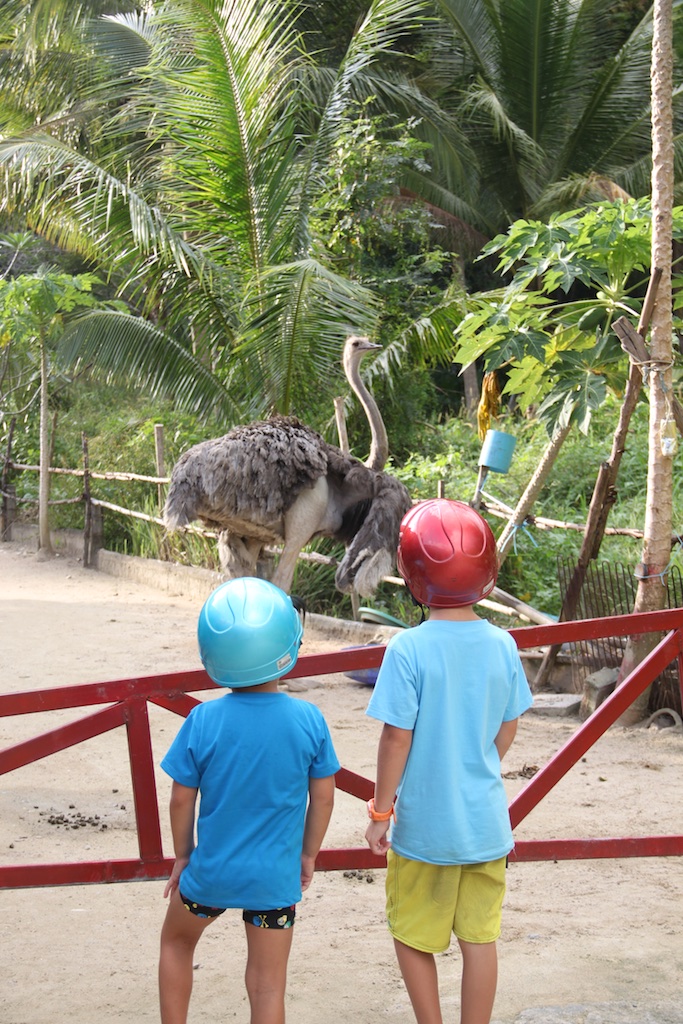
258	468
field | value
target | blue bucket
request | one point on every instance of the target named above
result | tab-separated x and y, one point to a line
496	451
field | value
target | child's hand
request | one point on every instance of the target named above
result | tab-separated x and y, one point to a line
178	868
377	837
307	871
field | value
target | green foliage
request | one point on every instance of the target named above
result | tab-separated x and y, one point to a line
254	210
450	462
377	237
121	436
599	247
34	312
549	329
391	246
408	410
530	570
624	15
184	161
150	540
329	27
552	100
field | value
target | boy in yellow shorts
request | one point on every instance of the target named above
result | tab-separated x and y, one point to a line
449	693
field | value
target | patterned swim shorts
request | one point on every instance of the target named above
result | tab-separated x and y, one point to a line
282	917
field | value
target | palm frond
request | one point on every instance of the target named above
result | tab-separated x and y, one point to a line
126	348
613	123
302	313
477	26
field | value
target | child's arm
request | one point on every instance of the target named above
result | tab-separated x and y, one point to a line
506	735
320	804
394	747
182	805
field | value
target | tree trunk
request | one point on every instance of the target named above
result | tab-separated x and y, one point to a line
533	489
652	573
472	391
44	540
470	377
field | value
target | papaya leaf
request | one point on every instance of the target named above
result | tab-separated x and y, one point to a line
574	398
527	381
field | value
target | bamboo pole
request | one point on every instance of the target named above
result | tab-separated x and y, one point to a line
533	489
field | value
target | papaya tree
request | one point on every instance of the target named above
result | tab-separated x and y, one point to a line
549	329
548	332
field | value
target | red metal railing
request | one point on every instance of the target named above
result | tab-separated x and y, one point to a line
128	699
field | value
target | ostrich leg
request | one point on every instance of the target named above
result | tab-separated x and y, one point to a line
303	521
238	555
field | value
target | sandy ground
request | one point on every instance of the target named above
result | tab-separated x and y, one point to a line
582	943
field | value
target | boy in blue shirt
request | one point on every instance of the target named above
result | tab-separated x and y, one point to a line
449	693
264	765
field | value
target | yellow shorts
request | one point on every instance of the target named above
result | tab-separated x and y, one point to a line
428	902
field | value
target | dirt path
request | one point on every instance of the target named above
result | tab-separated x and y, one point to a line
583	943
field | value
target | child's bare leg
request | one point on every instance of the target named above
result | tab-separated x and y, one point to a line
266	974
479	979
179	936
421	981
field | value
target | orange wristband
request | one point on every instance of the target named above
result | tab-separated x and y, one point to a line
380	815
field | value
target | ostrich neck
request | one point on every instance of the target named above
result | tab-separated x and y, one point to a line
379	445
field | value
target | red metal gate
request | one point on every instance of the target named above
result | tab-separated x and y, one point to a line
128	699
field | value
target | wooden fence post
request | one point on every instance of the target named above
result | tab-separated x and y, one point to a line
87	512
340	417
96	530
159	449
9	504
9	511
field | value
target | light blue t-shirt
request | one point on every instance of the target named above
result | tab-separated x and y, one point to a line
453	684
251	756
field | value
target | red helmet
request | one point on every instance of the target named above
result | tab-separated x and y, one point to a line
446	554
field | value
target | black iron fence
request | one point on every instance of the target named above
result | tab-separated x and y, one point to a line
610	589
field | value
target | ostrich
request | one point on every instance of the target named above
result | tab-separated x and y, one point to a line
278	481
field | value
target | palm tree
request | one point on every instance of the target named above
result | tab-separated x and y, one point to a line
553	111
553	104
188	171
191	163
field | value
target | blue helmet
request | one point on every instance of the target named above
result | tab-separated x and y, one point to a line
249	632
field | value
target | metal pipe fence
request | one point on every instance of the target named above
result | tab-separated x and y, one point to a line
127	703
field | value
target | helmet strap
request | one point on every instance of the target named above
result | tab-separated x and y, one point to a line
417	605
300	607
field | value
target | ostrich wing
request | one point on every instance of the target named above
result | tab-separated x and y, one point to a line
254	472
371	552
